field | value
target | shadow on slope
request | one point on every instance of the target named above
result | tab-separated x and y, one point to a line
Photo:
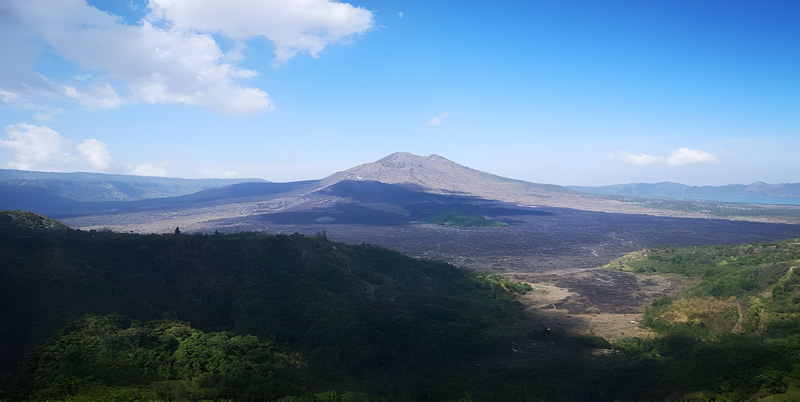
354	313
380	204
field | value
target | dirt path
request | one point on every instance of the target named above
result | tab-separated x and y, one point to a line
598	301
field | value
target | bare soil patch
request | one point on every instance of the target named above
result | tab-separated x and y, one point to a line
597	301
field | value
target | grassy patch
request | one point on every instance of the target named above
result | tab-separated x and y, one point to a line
792	394
461	220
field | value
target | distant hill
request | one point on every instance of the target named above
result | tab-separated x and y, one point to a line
141	204
35	199
758	193
20	220
96	187
43	201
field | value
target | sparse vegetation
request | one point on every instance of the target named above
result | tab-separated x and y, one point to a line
13	219
738	327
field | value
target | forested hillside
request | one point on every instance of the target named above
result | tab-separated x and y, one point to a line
95	315
359	318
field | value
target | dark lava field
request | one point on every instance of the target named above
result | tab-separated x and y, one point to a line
546	239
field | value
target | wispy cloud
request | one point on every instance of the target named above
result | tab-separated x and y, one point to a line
96	153
400	15
100	96
8	97
149	169
679	157
437	121
44	112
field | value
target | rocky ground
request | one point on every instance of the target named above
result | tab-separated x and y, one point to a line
597	301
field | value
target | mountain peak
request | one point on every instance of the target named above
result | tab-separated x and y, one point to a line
437	174
407	168
402	159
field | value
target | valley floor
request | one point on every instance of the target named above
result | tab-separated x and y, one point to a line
595	301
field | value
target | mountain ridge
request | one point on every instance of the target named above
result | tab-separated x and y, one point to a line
432	174
96	187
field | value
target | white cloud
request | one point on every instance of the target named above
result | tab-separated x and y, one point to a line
36	147
626	156
686	156
400	15
171	56
46	114
148	169
42	148
293	26
679	157
157	65
18	55
436	121
96	153
216	172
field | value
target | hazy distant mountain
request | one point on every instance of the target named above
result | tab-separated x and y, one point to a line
43	201
92	187
398	189
763	193
436	174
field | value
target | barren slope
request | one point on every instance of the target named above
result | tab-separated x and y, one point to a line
436	174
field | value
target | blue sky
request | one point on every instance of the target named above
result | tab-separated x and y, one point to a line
552	91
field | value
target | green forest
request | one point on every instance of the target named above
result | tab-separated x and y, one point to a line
99	315
93	314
